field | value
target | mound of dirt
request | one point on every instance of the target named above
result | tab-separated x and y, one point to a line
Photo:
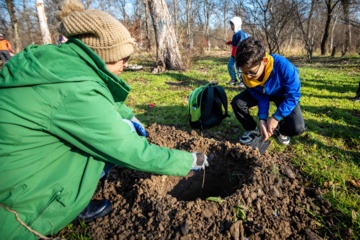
241	195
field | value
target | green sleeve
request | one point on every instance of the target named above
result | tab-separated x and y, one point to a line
124	110
87	120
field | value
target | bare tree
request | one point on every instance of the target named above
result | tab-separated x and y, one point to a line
330	6
346	6
305	25
188	24
225	13
45	33
278	23
208	8
147	24
167	50
122	5
176	17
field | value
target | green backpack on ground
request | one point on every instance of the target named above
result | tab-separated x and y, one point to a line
208	106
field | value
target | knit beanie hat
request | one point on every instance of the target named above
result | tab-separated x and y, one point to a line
105	35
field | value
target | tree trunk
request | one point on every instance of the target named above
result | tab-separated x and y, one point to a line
45	33
225	21
332	35
147	25
167	51
188	21
27	22
330	7
346	5
14	24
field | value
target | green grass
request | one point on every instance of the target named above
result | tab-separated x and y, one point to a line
328	153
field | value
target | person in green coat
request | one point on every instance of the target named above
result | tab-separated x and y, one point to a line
62	118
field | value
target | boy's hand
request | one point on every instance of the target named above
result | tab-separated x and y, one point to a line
272	124
229	42
263	130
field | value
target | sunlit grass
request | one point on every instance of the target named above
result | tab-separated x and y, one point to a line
328	153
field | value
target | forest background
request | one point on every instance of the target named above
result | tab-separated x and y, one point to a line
288	27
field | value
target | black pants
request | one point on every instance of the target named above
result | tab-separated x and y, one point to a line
291	125
4	56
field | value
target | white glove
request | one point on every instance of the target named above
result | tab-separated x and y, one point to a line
134	119
140	129
199	161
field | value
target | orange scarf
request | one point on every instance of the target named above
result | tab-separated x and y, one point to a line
251	83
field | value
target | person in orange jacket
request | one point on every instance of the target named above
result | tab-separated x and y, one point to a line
5	49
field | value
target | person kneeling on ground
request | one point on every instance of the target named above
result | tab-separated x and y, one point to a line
63	121
267	78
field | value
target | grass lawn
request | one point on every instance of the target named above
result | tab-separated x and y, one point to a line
328	153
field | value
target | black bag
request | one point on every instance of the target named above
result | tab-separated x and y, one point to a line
208	106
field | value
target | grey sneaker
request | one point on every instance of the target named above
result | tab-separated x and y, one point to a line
232	82
281	139
241	85
249	136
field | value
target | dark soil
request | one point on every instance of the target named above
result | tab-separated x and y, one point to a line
241	195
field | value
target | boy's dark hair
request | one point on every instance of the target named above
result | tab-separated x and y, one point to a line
249	53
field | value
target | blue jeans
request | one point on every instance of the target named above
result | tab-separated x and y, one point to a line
231	68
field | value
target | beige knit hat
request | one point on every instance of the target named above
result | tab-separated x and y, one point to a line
105	35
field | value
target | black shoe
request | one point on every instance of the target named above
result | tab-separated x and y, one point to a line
95	209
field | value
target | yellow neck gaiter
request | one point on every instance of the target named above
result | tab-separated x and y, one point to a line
251	83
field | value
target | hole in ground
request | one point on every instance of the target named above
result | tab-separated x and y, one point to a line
202	185
221	179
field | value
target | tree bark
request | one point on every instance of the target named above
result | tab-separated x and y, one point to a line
147	24
45	33
346	46
330	8
167	51
188	22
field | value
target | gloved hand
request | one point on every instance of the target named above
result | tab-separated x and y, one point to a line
140	129
199	161
229	42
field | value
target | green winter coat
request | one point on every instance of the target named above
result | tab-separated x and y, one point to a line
60	120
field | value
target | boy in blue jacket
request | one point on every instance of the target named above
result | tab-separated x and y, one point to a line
238	36
267	78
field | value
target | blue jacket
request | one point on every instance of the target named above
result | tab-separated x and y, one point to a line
236	39
283	81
